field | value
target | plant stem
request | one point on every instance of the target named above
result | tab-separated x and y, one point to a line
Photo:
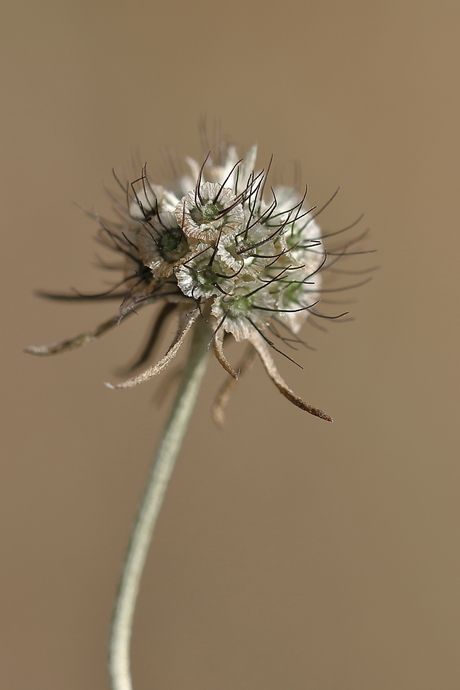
160	473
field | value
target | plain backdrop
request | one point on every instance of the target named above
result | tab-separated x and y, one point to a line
291	554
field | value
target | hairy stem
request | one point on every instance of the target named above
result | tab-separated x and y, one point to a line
160	473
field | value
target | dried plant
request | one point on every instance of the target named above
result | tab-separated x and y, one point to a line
234	259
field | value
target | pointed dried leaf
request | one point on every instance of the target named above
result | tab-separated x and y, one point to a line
225	392
219	352
270	367
186	321
72	343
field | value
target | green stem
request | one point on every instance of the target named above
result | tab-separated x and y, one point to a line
160	473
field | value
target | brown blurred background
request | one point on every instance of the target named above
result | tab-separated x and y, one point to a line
290	554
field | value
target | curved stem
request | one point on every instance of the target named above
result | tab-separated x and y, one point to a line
160	473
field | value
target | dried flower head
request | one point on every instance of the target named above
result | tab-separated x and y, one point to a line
217	246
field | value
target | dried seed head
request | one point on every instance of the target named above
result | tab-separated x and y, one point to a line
212	245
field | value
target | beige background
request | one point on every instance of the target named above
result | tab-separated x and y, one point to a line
291	554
